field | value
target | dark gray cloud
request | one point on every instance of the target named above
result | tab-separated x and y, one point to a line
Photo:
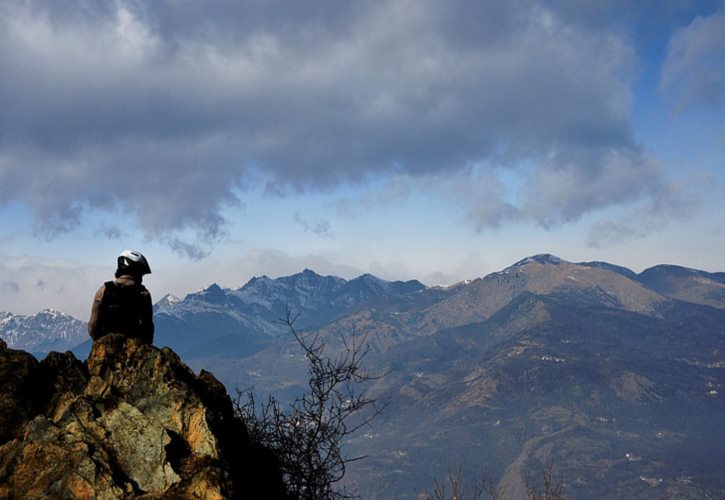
161	110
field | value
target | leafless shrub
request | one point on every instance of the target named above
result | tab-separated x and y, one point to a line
307	437
552	486
454	488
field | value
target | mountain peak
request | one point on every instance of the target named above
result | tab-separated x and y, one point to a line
367	277
53	312
610	267
542	258
48	330
168	299
213	293
166	304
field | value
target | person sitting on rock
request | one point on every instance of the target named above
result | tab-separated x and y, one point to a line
124	305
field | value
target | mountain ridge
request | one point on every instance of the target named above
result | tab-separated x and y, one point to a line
170	299
614	376
249	315
48	330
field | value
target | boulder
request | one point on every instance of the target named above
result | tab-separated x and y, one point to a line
132	421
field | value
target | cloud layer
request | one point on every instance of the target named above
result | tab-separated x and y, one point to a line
695	65
162	111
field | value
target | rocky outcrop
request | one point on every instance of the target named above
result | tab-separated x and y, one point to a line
132	421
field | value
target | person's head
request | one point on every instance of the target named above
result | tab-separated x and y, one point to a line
132	263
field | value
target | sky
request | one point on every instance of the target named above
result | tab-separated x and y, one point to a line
410	139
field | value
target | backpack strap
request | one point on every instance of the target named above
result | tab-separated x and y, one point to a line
109	287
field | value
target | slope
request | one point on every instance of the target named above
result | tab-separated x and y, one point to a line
621	402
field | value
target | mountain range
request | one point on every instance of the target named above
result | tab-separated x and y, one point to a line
614	377
49	330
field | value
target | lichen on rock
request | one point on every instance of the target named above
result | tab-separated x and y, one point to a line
131	421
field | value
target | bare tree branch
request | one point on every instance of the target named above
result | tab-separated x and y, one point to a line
307	438
552	487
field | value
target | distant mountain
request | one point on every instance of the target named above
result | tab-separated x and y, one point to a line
166	303
616	377
581	364
624	404
239	322
243	321
686	284
542	275
49	330
317	299
611	267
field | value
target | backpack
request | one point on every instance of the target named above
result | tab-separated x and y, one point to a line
121	309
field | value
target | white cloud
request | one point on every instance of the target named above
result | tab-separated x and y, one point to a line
32	284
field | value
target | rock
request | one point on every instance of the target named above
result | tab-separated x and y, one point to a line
134	421
18	373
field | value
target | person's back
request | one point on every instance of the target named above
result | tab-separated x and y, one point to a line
124	306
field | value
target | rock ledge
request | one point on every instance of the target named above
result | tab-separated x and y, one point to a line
134	421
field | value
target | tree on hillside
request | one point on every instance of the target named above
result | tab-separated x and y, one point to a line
307	437
453	487
551	488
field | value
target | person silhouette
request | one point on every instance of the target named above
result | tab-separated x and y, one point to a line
124	305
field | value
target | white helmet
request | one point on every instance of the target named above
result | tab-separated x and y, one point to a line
134	262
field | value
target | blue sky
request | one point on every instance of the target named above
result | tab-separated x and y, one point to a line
406	138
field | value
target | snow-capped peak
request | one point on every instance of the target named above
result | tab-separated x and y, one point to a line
168	300
47	330
53	313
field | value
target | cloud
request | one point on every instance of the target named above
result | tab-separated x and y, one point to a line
10	286
561	191
481	195
694	70
611	232
183	248
646	217
163	112
555	192
38	283
110	231
320	227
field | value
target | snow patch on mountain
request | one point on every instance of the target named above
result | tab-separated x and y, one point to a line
542	258
262	301
48	330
